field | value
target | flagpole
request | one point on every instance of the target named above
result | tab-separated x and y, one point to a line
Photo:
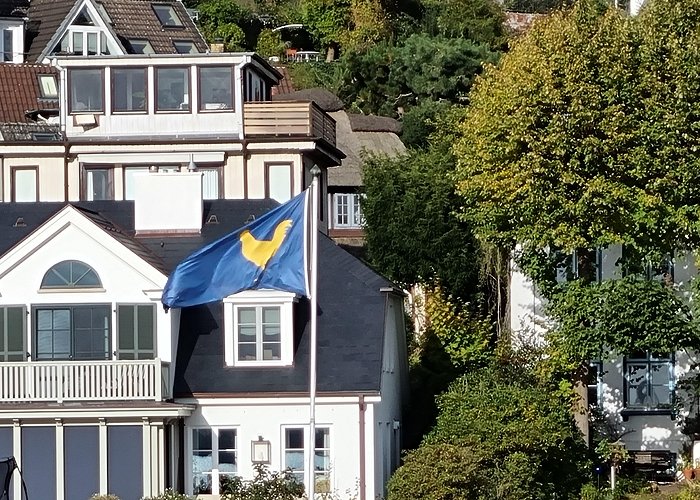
311	440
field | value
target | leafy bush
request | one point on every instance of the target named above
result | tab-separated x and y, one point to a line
265	486
501	433
170	495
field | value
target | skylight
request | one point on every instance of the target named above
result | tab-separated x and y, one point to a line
48	87
167	15
185	47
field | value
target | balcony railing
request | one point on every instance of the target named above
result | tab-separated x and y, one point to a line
84	381
288	118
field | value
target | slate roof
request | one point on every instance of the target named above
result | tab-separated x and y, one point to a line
350	304
131	19
19	91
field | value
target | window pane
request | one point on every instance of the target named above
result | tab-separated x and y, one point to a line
99	184
660	385
246	352
294	438
201	439
173	89
48	87
141	47
272	351
246	315
638	390
78	43
294	460
322	438
210	183
167	15
92	44
25	185
216	88
279	182
91	332
7	50
185	48
86	90
129	89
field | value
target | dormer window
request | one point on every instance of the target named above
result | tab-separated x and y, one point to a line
71	274
259	328
48	87
167	16
7	45
141	47
185	47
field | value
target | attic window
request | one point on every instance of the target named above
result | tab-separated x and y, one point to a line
141	47
48	86
83	19
185	47
71	274
167	16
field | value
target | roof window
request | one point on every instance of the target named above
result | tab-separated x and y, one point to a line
185	47
48	87
141	47
44	136
167	16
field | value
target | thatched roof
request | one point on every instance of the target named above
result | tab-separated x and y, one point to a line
371	123
354	144
325	99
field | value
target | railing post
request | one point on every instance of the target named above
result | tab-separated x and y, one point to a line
158	379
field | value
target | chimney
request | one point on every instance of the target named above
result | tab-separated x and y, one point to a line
217	47
168	203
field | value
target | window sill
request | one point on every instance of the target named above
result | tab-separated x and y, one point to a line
71	290
637	412
260	364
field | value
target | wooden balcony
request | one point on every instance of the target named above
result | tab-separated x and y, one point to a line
59	381
288	119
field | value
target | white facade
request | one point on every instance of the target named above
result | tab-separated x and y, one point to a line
643	429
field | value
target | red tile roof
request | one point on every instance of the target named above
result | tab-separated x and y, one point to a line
19	91
285	85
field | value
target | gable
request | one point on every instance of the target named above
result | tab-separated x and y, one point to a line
66	236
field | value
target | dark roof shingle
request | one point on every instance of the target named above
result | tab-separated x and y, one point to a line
131	20
350	305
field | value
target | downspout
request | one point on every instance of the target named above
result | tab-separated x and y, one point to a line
63	98
363	478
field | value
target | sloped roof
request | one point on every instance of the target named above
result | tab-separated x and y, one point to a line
17	132
19	91
349	344
285	85
131	19
374	134
13	8
325	99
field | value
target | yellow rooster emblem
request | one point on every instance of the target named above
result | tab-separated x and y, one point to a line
259	252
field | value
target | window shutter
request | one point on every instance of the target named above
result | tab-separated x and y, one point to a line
136	331
12	333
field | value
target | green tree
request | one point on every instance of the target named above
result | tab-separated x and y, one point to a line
270	44
478	20
223	20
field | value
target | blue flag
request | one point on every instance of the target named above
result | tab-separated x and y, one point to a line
270	252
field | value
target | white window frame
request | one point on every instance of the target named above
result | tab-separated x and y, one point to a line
353	207
259	298
305	428
215	478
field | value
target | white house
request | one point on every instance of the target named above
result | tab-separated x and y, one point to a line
636	392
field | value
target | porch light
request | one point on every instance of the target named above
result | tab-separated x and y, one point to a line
260	451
